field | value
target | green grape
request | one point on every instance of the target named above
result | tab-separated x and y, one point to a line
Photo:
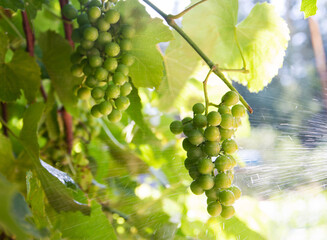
76	36
103	25
122	103
214	118
94	13
223	163
109	79
226	121
105	107
104	38
188	128
123	69
112	49
229	146
198	108
84	62
95	3
97	93
194	173
232	159
81	50
186	144
95	61
112	16
101	74
115	116
176	127
83	93
127	59
126	89
91	34
212	133
91	82
214	209
93	52
226	133
195	137
87	44
226	198
236	191
222	180
77	70
227	212
189	163
194	153
83	19
238	110
212	193
95	111
69	11
205	166
187	120
76	58
237	122
224	110
127	31
210	200
112	92
230	98
211	148
110	64
206	181
88	70
196	188
119	78
200	121
230	174
125	45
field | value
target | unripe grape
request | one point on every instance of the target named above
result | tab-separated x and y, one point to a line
115	116
122	103
110	64
88	70
224	110
94	13
222	180
214	118
95	61
126	89
93	52
196	137
87	44
91	82
127	59
101	74
223	163
232	159
125	45
176	127
95	3
226	121
188	128
81	50
187	120
226	133
123	69
83	93
212	193
230	98
76	35
69	11
97	93
194	173
189	163
238	110
112	49
198	108
103	25
194	153
186	144
230	174
112	16
211	148
227	212
212	133
236	191
104	38
200	121
226	198
196	188
214	209
119	78
205	166
127	31
95	111
229	146
105	107
206	182
112	92
83	19
77	70
237	122
91	34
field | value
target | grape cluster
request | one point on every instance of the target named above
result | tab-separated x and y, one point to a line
102	57
209	144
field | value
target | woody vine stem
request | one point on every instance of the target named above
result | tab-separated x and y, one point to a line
171	22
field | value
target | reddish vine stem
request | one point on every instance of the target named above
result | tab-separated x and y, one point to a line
4	114
66	117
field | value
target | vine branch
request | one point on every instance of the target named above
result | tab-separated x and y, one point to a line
186	10
219	73
206	98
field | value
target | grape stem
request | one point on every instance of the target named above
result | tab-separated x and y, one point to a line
185	11
217	71
206	98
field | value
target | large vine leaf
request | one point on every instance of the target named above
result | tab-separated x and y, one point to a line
309	7
32	6
12	4
56	58
147	71
263	37
21	73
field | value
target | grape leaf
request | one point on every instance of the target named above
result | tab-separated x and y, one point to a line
6	156
309	7
12	4
263	37
21	73
147	71
56	58
32	6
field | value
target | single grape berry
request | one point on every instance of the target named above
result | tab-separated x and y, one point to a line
196	137
105	108
83	93
226	121
194	173
214	209
223	163
77	70
95	111
227	212
104	38
224	110
194	153
187	145
97	93
238	110
198	108
125	45
93	52
127	59
229	146
237	122
205	166
94	13
187	120
94	3
112	92
91	82
196	188
189	163
69	11
226	133
103	25
236	191
83	19
110	64
101	74
226	198
128	31
91	34
115	116
112	16
222	180
176	127
112	49
126	90
119	78
212	133
212	193
95	61
230	98
123	69
200	121
122	103
214	118
232	159
206	182
211	148
86	44
188	128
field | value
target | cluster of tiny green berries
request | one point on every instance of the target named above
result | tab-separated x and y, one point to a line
102	57
209	145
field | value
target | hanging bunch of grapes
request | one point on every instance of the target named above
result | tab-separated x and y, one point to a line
102	57
209	144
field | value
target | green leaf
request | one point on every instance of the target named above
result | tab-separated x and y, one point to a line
147	71
12	4
6	156
309	7
56	58
263	37
22	73
32	6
